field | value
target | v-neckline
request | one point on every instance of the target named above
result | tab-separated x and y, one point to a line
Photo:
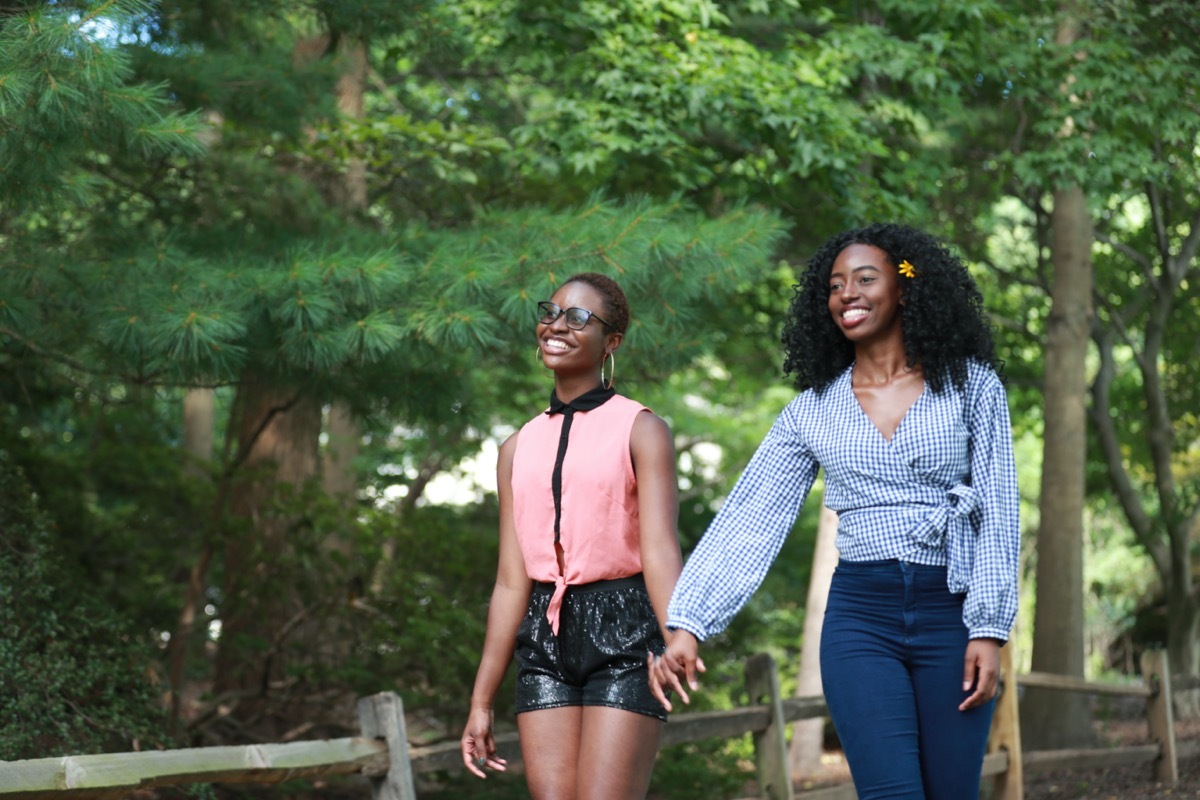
863	412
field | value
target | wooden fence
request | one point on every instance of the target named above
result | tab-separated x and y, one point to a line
383	756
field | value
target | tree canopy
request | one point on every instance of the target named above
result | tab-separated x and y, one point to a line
324	210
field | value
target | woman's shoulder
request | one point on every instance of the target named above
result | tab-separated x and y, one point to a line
506	451
814	397
625	403
537	420
809	406
984	394
982	378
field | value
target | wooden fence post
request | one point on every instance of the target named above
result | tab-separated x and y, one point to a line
770	744
1160	715
381	716
1006	732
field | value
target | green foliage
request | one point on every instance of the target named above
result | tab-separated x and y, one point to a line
1112	109
102	458
768	101
74	676
668	257
1128	116
68	104
170	173
433	607
709	768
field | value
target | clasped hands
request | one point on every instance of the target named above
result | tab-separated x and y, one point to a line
676	667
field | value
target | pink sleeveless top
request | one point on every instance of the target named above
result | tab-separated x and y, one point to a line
598	527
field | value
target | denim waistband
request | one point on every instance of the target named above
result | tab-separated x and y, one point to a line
885	565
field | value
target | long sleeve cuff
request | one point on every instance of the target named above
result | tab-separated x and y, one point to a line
693	628
988	633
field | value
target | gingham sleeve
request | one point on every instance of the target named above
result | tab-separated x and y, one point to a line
991	604
739	546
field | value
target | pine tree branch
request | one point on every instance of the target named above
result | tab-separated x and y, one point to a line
51	354
124	182
137	379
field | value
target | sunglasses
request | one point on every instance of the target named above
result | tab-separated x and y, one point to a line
577	318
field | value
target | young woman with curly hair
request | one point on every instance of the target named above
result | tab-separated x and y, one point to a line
902	406
589	553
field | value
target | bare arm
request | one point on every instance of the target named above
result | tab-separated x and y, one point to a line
510	599
658	507
653	454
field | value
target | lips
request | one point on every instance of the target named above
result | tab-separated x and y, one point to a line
854	315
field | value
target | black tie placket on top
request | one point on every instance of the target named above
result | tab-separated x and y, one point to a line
593	398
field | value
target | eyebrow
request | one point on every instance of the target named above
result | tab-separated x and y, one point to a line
858	269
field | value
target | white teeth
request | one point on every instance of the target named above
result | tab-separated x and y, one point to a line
555	344
854	313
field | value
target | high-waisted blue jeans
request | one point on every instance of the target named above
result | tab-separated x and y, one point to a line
892	651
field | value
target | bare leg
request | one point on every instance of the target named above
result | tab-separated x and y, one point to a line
550	748
617	754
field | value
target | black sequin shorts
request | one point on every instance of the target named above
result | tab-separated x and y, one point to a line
598	658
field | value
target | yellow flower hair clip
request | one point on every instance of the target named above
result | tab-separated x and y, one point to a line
906	269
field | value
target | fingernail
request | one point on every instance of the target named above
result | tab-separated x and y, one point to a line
966	686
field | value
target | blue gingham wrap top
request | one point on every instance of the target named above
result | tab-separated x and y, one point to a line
942	491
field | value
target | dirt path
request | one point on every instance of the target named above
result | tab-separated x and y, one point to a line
1122	783
1115	783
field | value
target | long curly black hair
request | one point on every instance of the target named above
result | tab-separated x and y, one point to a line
943	318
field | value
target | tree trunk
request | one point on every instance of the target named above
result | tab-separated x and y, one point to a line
277	434
343	441
348	192
1052	719
351	192
199	425
1183	635
808	736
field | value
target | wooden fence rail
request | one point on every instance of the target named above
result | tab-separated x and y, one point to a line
382	755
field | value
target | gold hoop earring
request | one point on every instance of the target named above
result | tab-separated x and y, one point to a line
537	355
612	370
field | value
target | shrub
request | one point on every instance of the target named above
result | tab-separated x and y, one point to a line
73	678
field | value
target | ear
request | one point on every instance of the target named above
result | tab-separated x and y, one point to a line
613	342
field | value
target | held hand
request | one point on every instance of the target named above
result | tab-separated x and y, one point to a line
981	670
679	661
478	744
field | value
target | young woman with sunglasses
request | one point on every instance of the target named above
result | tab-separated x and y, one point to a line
589	553
902	408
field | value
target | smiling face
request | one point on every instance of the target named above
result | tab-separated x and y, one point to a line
865	295
567	351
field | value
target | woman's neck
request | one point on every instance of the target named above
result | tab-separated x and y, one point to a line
881	363
568	387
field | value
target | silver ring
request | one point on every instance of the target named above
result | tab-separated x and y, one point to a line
481	761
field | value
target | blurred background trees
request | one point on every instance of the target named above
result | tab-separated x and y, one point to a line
267	272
